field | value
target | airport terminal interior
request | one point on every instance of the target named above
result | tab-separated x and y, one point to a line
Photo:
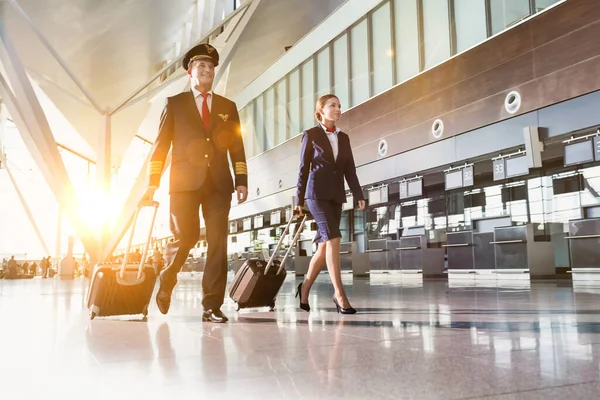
474	268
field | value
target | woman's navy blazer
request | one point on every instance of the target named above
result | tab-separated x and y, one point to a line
321	177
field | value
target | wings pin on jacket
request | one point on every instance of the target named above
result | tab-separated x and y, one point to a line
224	117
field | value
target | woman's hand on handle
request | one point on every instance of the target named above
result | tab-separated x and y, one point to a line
298	210
361	204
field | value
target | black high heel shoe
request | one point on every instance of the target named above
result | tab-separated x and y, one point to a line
304	306
343	310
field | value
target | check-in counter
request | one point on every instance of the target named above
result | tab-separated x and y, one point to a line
302	256
516	251
470	252
584	248
237	264
393	255
361	265
460	251
417	255
346	256
377	254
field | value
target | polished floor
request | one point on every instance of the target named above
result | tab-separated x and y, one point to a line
410	340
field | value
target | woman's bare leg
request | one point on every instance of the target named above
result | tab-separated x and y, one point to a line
317	262
332	256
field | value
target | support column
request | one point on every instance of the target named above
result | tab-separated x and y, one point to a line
103	178
58	249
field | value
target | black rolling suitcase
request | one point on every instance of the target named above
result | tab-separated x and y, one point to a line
125	288
257	282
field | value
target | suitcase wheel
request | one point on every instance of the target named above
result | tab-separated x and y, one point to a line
145	312
237	307
92	315
272	307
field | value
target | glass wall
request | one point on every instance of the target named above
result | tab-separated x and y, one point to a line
341	70
506	13
391	44
359	63
470	23
436	32
382	49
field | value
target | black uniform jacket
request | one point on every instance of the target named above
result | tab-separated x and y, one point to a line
196	151
321	176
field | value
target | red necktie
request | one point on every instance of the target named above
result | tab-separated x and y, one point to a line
205	110
332	130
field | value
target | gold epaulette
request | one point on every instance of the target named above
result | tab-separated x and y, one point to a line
155	167
241	168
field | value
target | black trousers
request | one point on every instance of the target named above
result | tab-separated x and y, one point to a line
185	226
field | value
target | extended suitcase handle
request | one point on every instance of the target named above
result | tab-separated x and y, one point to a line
150	203
285	231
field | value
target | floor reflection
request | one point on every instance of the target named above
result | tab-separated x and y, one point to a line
416	339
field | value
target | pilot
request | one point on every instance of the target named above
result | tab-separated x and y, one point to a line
202	129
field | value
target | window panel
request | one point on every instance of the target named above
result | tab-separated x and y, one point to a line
541	4
293	110
308	94
359	50
259	140
436	29
270	118
323	73
470	23
281	119
407	39
506	13
340	70
247	125
382	49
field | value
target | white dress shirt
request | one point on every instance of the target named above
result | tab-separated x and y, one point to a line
199	100
333	139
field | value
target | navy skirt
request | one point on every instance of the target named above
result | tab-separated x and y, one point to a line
327	215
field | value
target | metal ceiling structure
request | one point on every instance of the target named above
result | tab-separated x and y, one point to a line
102	69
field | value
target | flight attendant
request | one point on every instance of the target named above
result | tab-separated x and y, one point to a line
325	160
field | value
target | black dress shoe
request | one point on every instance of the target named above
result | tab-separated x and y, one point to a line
215	316
163	297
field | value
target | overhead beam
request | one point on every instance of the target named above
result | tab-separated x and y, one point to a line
33	126
232	40
178	59
56	56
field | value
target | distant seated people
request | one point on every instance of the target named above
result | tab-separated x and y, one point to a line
25	268
33	269
12	268
157	259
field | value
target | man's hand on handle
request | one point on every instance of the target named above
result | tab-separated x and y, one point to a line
148	198
241	194
361	204
298	210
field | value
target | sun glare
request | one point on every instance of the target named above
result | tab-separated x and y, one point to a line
96	209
